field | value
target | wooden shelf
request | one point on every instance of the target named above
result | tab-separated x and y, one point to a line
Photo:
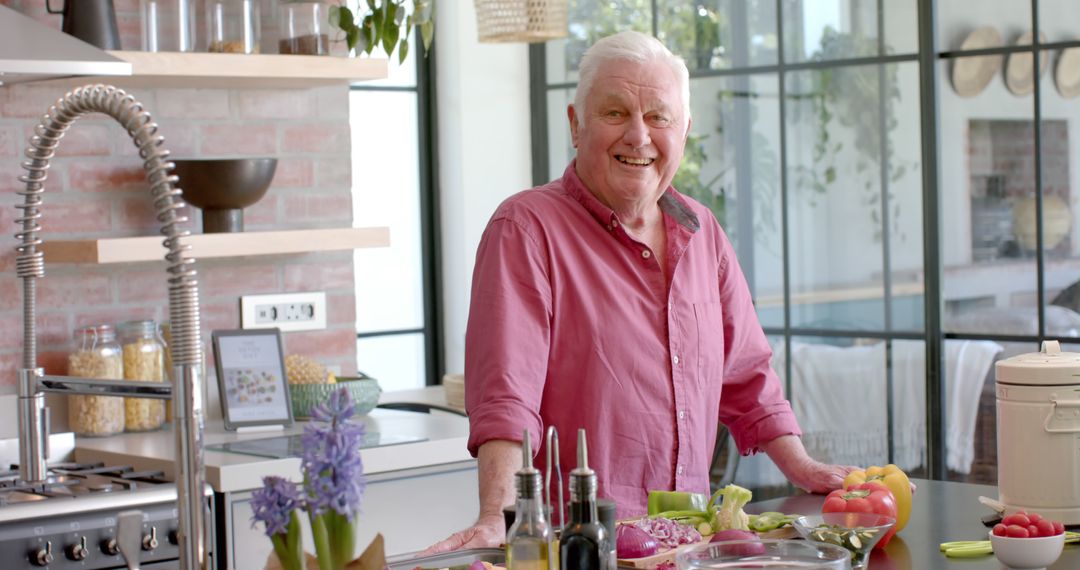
188	69
205	246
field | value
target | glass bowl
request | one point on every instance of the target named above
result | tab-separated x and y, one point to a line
765	553
856	532
1027	553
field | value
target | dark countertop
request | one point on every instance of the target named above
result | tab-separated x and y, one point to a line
941	512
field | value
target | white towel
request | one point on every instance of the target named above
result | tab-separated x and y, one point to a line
839	399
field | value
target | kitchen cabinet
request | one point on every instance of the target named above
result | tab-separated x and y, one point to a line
232	70
418	492
150	248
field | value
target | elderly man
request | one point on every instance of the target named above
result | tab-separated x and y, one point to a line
608	300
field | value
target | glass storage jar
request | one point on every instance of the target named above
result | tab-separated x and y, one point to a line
304	27
96	355
167	25
232	26
144	359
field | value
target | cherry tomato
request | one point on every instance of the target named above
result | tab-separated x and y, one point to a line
1033	531
1045	528
1017	531
1034	518
1020	519
1059	527
999	529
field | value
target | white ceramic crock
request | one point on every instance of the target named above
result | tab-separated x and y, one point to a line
1038	432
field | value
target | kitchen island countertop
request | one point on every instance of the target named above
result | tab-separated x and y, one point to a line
442	438
941	512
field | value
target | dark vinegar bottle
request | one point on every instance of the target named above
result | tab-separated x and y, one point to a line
585	544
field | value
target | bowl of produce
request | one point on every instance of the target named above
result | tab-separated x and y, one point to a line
1027	541
856	532
762	553
310	384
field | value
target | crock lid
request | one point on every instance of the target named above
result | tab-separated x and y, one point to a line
1049	367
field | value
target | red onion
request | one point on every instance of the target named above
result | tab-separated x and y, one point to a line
734	534
668	532
632	542
748	543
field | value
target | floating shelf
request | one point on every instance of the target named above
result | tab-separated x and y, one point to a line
189	69
204	246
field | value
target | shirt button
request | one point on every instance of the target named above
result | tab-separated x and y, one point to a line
679	469
646	254
675	359
614	223
670	306
682	414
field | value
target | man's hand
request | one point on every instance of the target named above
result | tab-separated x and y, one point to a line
486	533
790	456
817	477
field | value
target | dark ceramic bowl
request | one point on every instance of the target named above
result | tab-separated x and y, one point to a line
223	187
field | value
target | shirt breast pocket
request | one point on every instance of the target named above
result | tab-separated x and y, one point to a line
709	319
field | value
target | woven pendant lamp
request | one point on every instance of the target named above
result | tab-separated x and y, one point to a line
521	20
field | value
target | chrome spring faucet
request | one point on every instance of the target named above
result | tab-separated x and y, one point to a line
187	389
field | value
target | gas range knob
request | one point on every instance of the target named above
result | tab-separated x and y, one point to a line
78	551
110	547
43	557
150	542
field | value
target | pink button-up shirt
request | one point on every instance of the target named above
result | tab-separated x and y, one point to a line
573	324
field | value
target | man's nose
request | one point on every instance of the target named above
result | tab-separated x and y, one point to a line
636	134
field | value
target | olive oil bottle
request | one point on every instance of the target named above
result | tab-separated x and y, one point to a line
529	539
584	543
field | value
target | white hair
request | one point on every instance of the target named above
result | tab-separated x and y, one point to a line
633	46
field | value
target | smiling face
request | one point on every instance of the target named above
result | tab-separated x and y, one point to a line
631	134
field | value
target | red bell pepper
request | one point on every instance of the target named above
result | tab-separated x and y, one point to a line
864	498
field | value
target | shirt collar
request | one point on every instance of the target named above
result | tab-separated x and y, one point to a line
671	203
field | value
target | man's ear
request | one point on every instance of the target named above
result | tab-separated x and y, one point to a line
689	125
571	114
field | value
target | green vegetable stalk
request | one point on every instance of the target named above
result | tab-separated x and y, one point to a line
666	501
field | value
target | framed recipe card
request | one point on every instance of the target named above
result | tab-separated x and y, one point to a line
251	378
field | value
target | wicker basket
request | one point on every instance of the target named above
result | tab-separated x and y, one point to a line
521	20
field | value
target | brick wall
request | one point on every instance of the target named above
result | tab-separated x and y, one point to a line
96	188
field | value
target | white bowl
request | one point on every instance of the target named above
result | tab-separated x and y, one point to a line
1027	553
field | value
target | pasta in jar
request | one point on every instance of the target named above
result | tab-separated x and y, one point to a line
96	355
144	360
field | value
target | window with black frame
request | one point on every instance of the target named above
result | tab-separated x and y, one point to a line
392	148
808	144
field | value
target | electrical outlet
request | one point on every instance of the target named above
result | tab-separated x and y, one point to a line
287	311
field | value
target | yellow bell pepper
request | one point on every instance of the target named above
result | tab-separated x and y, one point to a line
892	478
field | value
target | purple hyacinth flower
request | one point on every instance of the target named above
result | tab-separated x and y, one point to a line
333	470
273	505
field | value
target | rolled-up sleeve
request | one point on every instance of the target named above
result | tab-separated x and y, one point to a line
753	406
507	338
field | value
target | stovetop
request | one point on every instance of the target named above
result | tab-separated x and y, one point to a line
73	480
69	521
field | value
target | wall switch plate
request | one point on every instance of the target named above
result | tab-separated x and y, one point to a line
287	311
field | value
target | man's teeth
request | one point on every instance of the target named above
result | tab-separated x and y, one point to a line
635	161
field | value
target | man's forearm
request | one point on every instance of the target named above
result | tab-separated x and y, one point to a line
498	461
787	452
